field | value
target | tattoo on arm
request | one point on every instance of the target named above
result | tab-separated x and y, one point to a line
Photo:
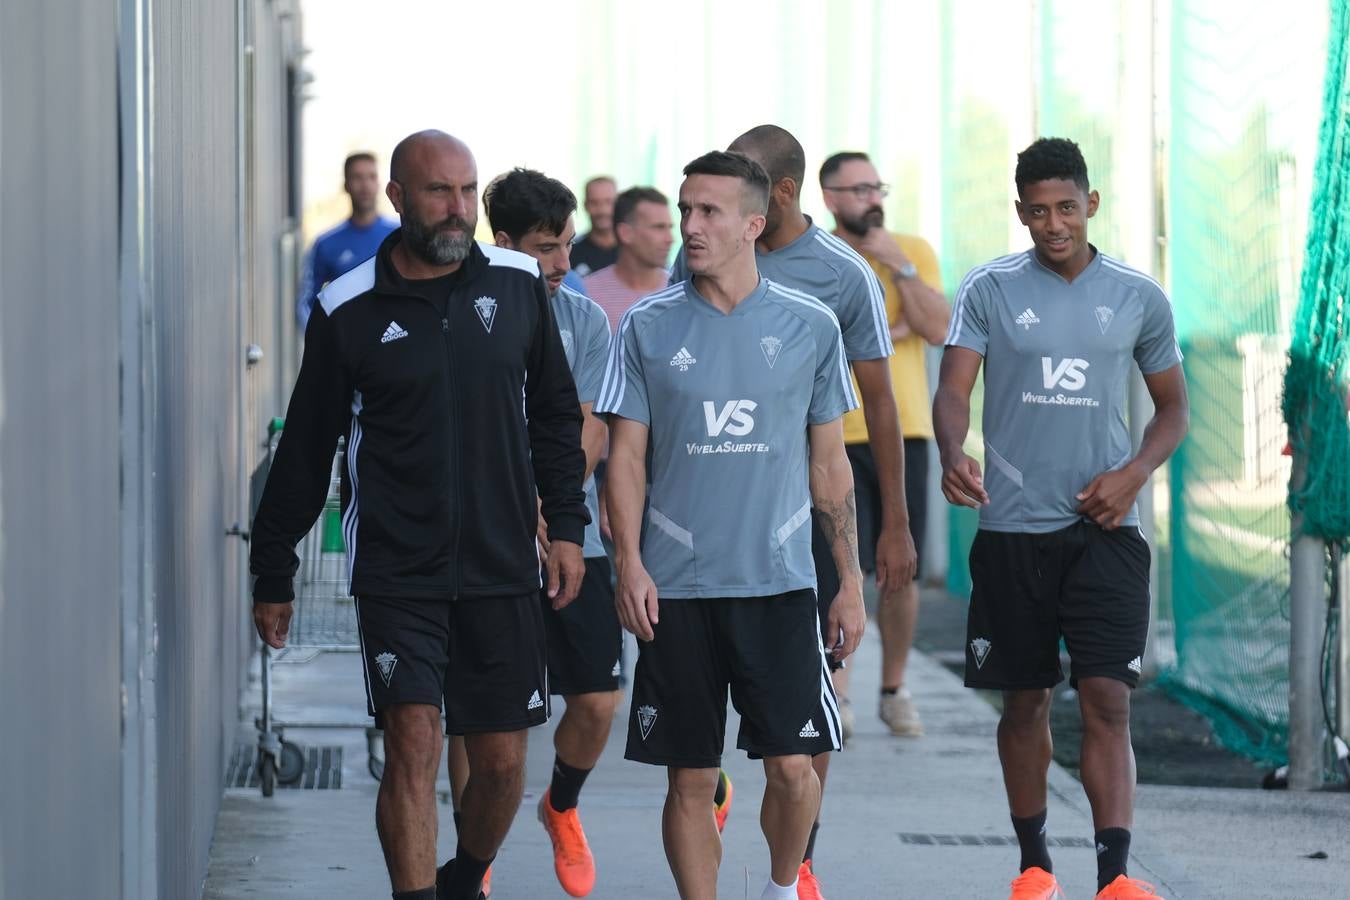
839	524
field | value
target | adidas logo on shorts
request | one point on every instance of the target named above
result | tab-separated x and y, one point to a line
1136	665
809	729
535	701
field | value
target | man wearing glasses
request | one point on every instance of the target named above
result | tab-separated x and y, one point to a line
917	315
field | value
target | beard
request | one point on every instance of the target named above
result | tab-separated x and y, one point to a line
875	217
431	244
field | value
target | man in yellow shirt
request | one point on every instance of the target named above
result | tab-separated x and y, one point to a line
918	314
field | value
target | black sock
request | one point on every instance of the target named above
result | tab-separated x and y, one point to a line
423	894
1113	851
462	877
889	692
811	843
1031	838
565	788
720	794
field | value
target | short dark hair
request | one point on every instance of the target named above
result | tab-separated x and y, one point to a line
1051	158
626	204
358	156
836	162
755	181
782	153
523	200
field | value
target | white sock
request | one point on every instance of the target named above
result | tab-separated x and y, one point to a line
775	891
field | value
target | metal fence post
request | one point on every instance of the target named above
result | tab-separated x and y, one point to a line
1307	619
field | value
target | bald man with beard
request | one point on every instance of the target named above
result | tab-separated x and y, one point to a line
440	361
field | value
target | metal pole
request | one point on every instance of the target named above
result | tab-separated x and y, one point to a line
1342	563
1307	619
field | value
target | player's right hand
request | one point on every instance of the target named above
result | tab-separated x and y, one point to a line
962	483
273	621
635	600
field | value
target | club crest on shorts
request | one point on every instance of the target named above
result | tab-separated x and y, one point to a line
646	719
385	662
486	307
770	346
980	648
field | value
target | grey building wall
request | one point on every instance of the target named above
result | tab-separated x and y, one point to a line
59	523
143	209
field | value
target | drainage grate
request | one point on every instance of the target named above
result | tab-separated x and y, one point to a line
982	840
323	769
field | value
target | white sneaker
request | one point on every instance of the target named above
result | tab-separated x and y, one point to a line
845	719
898	712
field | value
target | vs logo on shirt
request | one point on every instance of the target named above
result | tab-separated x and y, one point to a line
1068	374
732	417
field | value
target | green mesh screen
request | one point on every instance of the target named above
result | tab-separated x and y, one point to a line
1315	385
1238	177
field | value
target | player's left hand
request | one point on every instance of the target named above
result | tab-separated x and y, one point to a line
566	569
847	619
896	559
1107	500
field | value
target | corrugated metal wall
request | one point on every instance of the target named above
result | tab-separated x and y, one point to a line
60	740
144	175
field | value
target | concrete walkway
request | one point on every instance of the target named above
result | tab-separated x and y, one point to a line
921	818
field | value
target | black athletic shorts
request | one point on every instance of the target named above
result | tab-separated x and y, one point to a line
867	492
1082	583
766	650
584	637
482	659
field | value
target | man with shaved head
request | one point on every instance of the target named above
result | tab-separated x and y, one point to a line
794	252
440	361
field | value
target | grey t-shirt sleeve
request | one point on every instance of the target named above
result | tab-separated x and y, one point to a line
624	391
970	316
862	313
832	394
1156	349
592	353
678	270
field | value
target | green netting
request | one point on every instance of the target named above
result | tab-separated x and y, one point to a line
1238	173
1315	383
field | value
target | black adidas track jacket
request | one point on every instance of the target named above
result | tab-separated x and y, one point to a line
453	422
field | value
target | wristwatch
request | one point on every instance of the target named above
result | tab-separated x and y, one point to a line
908	270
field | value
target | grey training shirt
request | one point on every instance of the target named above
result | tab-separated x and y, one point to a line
823	266
728	399
1057	358
585	339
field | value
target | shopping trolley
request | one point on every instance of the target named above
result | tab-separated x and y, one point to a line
324	620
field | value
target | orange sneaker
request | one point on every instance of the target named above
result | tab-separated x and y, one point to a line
572	860
485	890
1126	889
1035	884
807	886
722	811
